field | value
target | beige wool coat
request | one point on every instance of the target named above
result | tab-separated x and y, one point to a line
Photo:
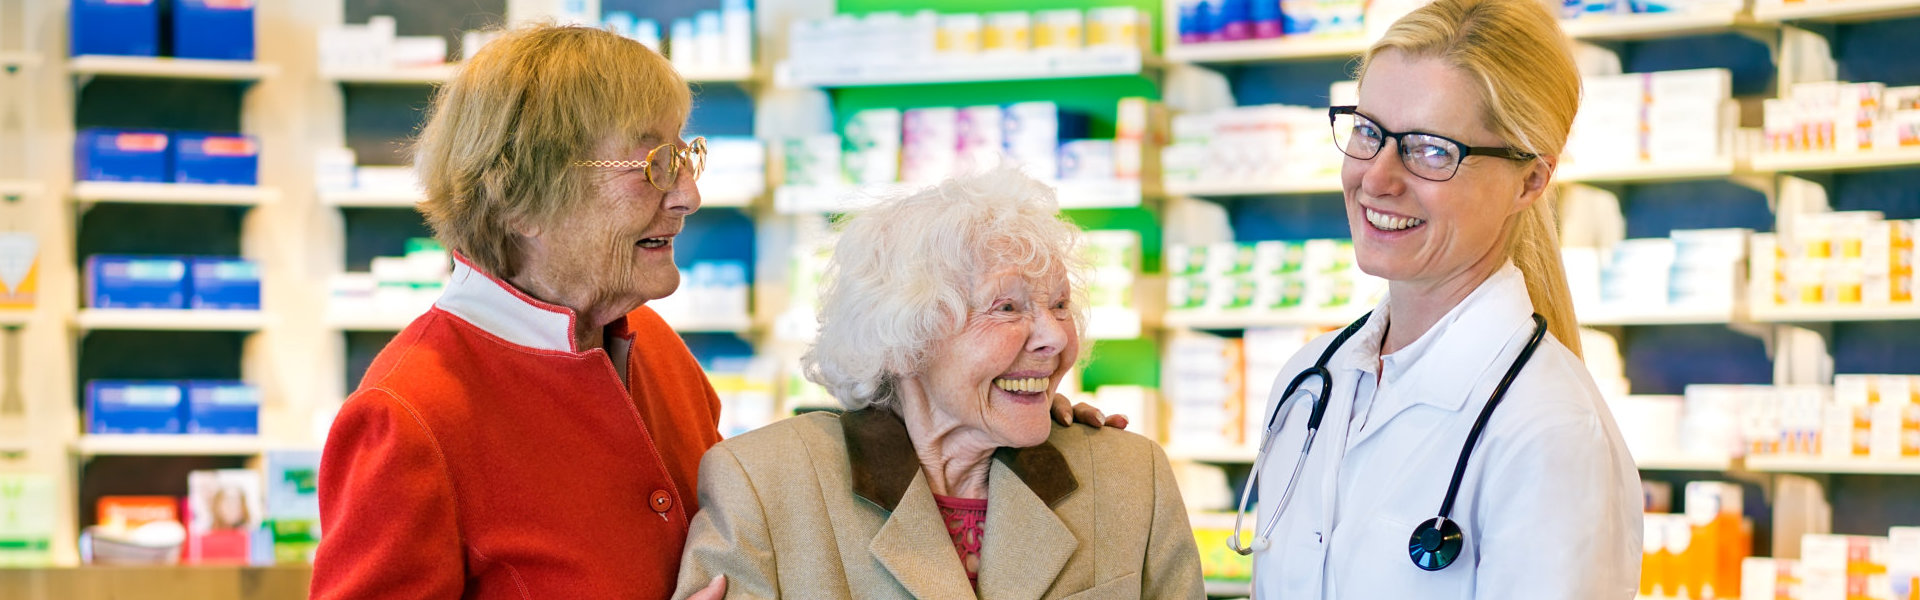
836	506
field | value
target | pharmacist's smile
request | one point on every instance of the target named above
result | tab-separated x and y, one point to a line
1386	222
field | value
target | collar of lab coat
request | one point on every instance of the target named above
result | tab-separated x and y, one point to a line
884	464
504	311
1449	360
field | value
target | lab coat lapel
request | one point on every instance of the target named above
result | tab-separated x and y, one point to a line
1025	544
915	548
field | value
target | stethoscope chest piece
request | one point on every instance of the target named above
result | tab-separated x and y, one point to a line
1435	543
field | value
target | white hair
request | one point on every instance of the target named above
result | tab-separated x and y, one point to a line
901	274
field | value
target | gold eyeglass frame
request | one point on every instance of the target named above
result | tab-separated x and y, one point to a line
694	156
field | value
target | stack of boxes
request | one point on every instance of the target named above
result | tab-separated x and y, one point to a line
887	44
28	503
1269	277
1113	262
1841	567
377	46
1860	417
1692	270
172	282
148	156
1697	555
1251	145
1663	117
1840	260
1217	388
397	286
172	407
711	291
1837	116
201	29
1203	21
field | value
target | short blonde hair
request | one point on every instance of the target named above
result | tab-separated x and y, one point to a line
902	273
497	150
1530	88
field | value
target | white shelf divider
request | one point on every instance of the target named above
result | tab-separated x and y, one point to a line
1685	463
170	68
718	74
1023	67
157	319
168	445
20	187
1072	194
1234	589
1813	464
15	317
369	321
1314	185
1284	48
1228	456
370	198
174	193
1215	319
1650	172
1834	10
735	324
1795	162
1828	314
19	60
1655	25
426	75
1606	316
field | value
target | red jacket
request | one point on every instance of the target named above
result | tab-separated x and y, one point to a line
483	457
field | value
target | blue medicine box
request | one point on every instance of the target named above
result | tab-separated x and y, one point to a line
213	29
117	27
117	281
223	283
223	407
216	158
134	406
120	155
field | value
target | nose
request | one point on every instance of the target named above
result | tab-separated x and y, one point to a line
1385	174
1050	335
684	198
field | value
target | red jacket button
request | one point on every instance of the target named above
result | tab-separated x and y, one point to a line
661	501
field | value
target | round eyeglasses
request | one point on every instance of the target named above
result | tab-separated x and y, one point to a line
663	163
1427	156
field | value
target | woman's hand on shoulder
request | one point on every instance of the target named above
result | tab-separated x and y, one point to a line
714	591
1067	413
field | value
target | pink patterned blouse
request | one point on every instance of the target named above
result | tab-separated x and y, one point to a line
966	519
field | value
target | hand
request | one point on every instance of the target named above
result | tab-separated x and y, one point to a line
1068	414
713	591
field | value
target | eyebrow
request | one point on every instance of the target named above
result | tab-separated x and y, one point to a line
1376	121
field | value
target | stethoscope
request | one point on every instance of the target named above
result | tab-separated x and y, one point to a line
1436	542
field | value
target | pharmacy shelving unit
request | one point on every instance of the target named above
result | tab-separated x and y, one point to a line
437	74
1833	162
1815	464
172	193
1834	314
1098	62
92	445
137	319
1833	11
89	66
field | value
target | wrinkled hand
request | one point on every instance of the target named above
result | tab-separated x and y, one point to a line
713	591
1068	414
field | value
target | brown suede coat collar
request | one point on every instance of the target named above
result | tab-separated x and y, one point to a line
884	462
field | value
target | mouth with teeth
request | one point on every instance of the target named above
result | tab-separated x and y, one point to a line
1022	386
1386	222
655	243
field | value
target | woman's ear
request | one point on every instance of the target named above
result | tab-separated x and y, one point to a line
1539	175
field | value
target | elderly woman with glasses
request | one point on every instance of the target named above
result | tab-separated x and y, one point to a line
538	432
948	318
1463	391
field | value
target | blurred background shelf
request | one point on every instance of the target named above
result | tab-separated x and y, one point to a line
1076	65
1232	589
371	198
1824	314
1650	172
1311	185
1834	10
173	193
168	445
1284	48
1664	316
1655	25
393	75
1773	464
1685	463
1796	162
170	68
169	319
1224	456
14	60
1197	319
15	317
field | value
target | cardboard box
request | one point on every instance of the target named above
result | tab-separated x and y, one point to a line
222	407
101	154
116	27
19	269
118	281
134	407
224	283
213	29
28	503
216	158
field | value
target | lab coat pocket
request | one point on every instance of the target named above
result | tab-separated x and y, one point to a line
1377	565
1124	586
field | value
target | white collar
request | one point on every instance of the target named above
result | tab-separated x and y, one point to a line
498	308
1468	338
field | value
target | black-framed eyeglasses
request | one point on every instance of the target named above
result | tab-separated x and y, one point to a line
1427	156
663	163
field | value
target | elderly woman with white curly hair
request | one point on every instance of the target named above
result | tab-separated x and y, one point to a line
948	318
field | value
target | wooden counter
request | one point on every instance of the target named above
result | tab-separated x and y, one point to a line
156	583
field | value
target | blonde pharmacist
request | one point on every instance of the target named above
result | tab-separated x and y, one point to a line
1464	108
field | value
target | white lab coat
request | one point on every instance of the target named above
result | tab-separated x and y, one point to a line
1550	503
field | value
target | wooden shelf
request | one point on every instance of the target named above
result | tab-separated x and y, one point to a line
1650	172
1210	319
730	194
15	317
1834	10
1020	67
427	75
1799	162
14	61
1315	47
1225	456
1655	25
370	321
1812	464
1664	316
1235	589
159	319
1072	194
168	445
170	68
718	74
20	187
736	324
1828	314
370	198
173	193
